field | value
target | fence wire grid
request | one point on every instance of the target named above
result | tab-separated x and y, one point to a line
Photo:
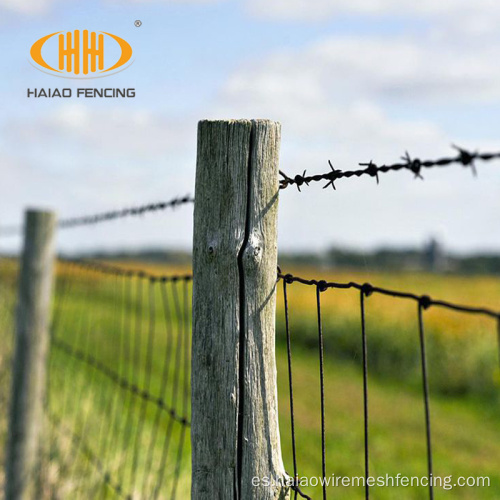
119	393
366	290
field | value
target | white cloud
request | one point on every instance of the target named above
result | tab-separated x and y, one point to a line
79	159
69	192
317	10
187	2
34	7
139	134
28	7
393	68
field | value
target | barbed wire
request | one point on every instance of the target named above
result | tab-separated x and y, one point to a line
414	165
86	220
126	212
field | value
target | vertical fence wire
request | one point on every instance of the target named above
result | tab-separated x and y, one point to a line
115	412
425	390
147	378
164	300
319	289
178	364
290	389
365	393
185	397
174	397
129	429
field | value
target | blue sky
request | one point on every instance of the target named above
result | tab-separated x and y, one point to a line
350	81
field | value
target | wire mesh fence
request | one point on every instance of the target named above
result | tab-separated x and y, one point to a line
326	420
118	397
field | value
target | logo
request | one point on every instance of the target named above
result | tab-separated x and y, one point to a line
81	54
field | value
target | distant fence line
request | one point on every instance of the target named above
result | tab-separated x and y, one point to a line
234	280
86	220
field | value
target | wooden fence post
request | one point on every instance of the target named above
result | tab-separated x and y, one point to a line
30	357
235	434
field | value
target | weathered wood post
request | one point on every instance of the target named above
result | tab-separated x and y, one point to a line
235	435
30	357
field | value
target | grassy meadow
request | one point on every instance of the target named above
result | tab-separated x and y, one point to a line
129	327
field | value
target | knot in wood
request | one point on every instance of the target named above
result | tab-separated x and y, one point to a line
253	251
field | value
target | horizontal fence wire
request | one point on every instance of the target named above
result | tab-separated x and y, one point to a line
371	169
98	218
119	382
365	290
424	300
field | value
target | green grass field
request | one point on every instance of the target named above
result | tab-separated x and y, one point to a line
101	318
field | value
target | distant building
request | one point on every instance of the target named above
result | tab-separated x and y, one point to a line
433	257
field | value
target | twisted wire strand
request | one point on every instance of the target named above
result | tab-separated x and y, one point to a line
414	165
97	218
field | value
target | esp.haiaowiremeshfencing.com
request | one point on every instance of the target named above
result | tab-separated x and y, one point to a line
387	481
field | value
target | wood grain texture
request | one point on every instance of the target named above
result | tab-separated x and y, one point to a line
234	402
261	451
219	232
31	355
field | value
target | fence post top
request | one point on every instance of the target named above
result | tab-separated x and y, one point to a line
35	212
240	120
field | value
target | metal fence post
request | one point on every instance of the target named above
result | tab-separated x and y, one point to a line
235	434
30	357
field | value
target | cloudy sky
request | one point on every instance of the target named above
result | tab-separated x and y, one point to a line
350	81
